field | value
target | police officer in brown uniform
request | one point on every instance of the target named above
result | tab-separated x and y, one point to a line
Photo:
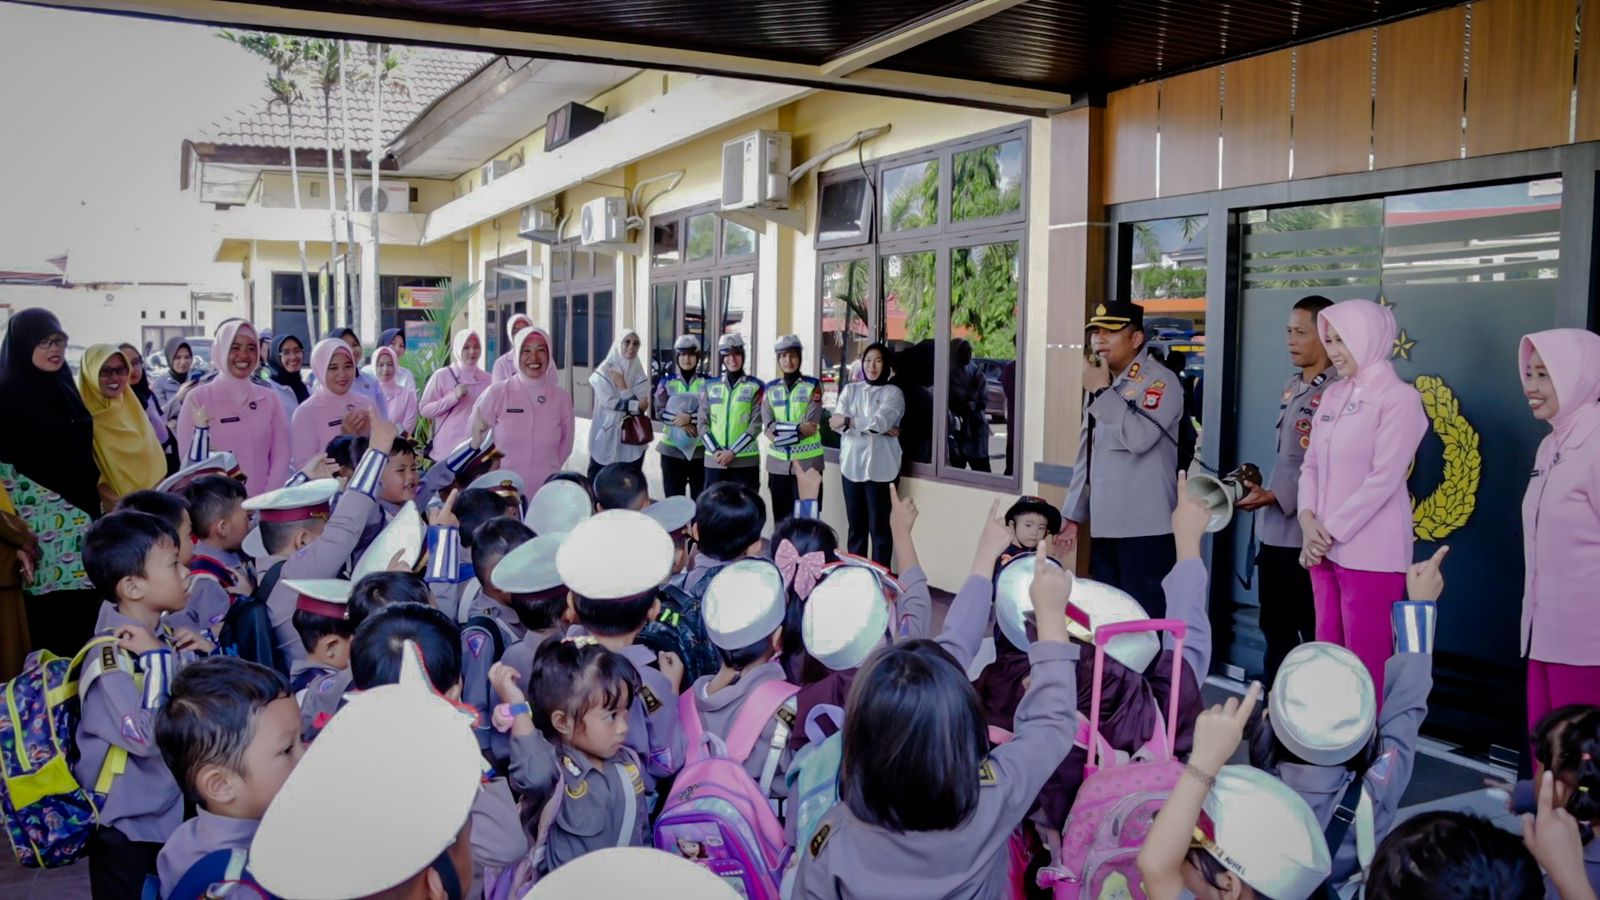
1125	477
1288	617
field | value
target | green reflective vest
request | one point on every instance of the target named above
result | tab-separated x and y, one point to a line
730	412
673	436
790	407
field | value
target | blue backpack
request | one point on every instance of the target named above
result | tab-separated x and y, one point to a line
48	815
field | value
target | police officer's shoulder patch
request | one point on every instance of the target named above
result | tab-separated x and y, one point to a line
821	839
651	701
1133	373
986	774
1152	396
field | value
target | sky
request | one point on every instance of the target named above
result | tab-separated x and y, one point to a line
95	109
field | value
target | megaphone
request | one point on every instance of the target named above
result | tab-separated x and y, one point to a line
1221	495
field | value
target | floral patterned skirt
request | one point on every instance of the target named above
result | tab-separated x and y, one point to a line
58	525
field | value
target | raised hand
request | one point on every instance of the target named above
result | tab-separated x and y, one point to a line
1424	581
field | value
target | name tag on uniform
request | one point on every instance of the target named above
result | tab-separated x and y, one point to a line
335	422
233	419
514	409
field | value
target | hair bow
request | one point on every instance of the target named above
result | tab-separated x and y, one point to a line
801	571
580	640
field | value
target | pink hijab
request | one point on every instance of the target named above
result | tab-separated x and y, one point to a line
548	379
1572	356
1368	330
237	388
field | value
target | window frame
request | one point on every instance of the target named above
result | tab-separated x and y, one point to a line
944	238
866	171
714	269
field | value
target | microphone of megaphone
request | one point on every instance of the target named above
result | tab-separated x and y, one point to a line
1219	496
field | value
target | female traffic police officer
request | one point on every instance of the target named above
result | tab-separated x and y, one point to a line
677	401
1124	481
791	415
729	420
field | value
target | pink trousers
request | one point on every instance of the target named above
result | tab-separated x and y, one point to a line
1353	611
1554	685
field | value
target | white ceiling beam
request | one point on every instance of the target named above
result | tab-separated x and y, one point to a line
241	13
910	34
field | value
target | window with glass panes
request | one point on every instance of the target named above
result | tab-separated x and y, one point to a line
702	282
925	251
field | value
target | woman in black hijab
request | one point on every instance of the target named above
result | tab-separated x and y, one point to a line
288	374
47	463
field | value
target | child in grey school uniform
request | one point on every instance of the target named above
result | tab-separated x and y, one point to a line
926	807
614	563
1324	727
569	749
480	638
132	560
217	573
451	575
230	735
527	576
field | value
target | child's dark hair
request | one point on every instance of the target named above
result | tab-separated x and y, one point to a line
574	677
211	499
914	735
494	539
313	627
339	450
375	652
1448	855
728	518
1267	753
577	478
167	507
117	545
540	611
745	657
210	717
400	447
620	486
613	618
477	506
1567	743
276	536
380	590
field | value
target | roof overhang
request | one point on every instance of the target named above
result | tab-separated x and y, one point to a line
495	108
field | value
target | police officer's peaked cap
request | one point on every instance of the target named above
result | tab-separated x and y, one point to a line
1115	315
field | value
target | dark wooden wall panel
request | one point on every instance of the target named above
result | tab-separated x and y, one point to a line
1255	119
1189	129
1333	106
1589	73
1520	79
1130	141
1417	115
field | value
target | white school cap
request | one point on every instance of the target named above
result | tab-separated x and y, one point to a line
629	871
846	618
744	603
530	567
1323	706
1093	604
673	514
296	503
403	535
377	798
220	463
322	596
505	482
1263	832
558	506
617	554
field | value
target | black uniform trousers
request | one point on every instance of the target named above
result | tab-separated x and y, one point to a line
1136	565
867	506
683	477
118	864
749	476
1288	615
785	493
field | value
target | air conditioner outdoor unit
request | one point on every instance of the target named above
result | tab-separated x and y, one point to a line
498	168
393	197
604	220
540	224
755	171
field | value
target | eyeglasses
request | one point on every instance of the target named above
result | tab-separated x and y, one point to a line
113	371
58	342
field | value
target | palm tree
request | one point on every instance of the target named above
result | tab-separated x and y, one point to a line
284	55
385	76
326	71
351	76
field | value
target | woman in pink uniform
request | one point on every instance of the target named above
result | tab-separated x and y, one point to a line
1561	522
324	414
530	413
451	393
399	400
1354	509
506	365
239	415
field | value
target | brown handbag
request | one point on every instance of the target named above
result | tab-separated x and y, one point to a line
637	430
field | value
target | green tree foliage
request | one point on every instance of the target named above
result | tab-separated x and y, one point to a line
424	362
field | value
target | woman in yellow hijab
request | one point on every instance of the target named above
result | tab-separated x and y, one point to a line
125	446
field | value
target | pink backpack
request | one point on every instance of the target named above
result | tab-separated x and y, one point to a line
717	815
1116	804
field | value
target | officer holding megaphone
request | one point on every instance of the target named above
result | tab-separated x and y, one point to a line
1288	617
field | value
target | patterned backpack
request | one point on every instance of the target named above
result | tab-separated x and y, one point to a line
717	815
47	814
1118	803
